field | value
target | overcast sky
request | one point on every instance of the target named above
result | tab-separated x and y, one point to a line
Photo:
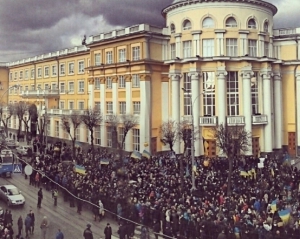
34	27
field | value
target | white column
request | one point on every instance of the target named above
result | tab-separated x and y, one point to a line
103	107
246	75
278	110
178	45
298	109
221	86
196	96
196	43
91	94
176	104
129	139
115	95
165	103
267	76
145	113
261	45
271	48
220	42
243	44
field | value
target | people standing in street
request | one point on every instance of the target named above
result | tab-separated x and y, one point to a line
88	234
107	231
20	225
59	235
31	214
40	198
44	227
27	224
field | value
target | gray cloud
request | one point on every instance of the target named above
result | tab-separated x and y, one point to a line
32	27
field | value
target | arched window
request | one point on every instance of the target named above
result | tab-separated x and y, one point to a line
266	27
172	28
187	25
208	22
252	24
231	22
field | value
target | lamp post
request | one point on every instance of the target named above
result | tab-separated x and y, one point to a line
193	135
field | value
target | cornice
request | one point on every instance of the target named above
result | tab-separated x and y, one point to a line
182	3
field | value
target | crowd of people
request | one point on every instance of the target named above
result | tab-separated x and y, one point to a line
263	201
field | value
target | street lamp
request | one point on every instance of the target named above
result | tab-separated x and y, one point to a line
193	135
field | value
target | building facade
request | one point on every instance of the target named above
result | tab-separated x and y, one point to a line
218	61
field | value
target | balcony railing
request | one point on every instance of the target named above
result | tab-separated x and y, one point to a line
259	119
65	112
208	120
39	93
187	118
235	120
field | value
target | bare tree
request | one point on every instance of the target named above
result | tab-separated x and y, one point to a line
128	122
74	120
91	119
7	116
21	109
41	126
169	133
113	121
233	141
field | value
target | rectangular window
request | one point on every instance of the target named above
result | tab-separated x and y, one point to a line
71	87
252	45
10	76
56	129
62	87
108	83
32	74
187	49
46	71
173	50
136	53
54	70
71	105
21	75
187	85
135	81
122	108
81	67
98	135
209	99
26	74
122	55
254	94
109	136
97	83
62	69
98	59
53	86
136	107
81	86
81	105
32	87
71	68
62	105
232	93
266	49
109	107
122	83
39	72
46	86
109	57
77	133
231	47
121	136
136	139
16	75
208	47
98	105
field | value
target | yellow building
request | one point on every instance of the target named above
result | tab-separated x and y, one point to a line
234	68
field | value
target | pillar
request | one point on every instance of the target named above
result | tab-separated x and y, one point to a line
246	76
220	42
178	45
298	111
115	94
103	110
278	112
243	43
175	78
145	114
91	93
196	43
221	82
267	104
129	139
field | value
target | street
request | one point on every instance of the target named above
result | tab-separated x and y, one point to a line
62	216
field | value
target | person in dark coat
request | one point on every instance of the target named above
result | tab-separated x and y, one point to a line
107	231
31	214
88	234
40	198
156	228
20	225
27	224
122	231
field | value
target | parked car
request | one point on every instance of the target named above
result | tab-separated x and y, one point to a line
11	195
11	143
23	150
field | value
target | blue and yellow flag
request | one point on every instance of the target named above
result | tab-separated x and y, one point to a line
146	154
136	155
285	216
243	173
80	169
274	206
286	160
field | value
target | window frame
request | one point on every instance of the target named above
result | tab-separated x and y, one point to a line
109	57
208	50
232	47
108	82
98	60
136	53
81	86
62	69
54	70
252	48
252	24
121	82
209	95
136	82
69	90
122	55
232	93
71	68
136	107
206	24
187	49
46	71
81	67
109	108
231	24
136	139
122	107
186	25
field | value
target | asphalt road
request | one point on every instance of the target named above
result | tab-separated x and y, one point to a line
62	216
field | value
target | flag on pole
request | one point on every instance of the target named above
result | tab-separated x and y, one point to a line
80	169
274	206
146	154
243	173
136	155
285	216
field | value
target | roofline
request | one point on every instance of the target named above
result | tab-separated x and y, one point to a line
181	3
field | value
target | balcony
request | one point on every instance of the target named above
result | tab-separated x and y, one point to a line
187	118
111	117
235	120
39	93
64	112
259	119
208	120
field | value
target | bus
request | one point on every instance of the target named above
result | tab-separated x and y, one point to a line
6	163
